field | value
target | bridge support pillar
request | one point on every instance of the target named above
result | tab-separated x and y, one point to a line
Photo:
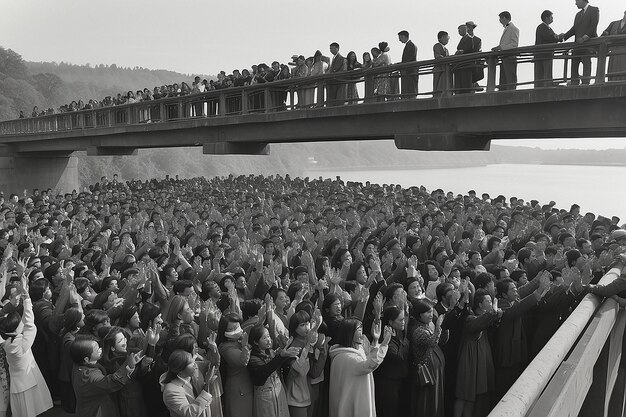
19	172
442	142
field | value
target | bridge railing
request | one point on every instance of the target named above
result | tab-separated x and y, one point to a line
579	369
437	79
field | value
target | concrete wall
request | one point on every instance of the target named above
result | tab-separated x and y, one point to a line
57	172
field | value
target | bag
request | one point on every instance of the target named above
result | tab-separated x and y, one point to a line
424	376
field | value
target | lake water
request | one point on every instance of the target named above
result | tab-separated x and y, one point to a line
597	189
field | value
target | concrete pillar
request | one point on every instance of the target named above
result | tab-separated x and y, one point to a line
59	172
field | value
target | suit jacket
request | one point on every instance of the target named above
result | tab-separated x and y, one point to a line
409	54
179	399
337	64
544	35
469	44
585	24
614	29
440	51
510	37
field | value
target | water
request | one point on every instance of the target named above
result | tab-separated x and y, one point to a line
597	189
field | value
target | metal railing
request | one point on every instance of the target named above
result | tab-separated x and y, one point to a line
437	79
558	380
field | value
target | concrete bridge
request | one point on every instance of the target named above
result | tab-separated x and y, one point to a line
247	120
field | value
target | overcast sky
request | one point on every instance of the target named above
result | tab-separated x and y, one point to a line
195	36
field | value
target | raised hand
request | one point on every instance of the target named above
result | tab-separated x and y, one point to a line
312	337
210	375
378	305
376	329
153	335
210	341
290	352
335	276
133	359
387	336
544	281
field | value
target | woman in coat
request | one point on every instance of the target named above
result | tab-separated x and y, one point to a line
233	348
270	399
351	367
178	389
29	393
475	383
427	362
93	387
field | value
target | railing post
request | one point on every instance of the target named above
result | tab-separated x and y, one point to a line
267	99
321	87
244	101
603	51
222	105
492	67
446	90
180	109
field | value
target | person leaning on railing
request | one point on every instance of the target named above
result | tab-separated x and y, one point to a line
543	60
618	285
617	55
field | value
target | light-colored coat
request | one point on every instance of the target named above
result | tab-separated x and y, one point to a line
510	37
179	399
26	378
352	382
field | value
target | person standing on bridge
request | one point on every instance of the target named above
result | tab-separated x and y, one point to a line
585	27
543	60
336	90
440	51
617	60
508	40
467	72
408	76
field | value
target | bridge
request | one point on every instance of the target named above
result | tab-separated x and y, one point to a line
246	120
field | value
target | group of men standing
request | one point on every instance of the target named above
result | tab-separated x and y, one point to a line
464	77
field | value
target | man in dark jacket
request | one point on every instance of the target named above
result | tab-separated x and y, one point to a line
408	76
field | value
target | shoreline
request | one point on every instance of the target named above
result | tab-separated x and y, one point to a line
456	166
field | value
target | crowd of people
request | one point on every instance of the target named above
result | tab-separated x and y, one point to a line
463	78
283	297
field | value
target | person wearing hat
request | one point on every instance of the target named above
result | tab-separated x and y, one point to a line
466	74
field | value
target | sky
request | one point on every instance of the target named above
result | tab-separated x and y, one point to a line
204	36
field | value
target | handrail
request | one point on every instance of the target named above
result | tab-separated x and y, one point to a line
521	397
274	96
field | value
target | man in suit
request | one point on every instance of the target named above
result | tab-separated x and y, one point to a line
440	51
543	60
409	75
467	73
336	91
585	27
508	40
